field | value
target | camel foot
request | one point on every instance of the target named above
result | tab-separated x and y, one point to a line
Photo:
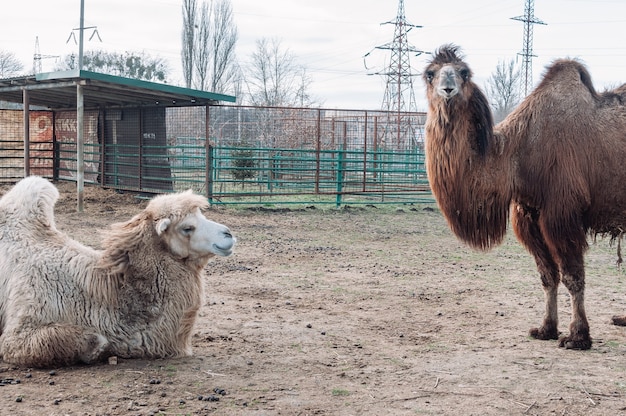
544	334
619	320
575	343
96	349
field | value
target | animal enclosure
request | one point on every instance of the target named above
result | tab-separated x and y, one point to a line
392	315
253	154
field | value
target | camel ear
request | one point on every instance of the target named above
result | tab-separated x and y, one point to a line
162	225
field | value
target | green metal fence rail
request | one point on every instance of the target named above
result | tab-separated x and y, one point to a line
246	175
334	176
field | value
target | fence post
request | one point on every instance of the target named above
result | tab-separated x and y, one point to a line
340	173
56	156
209	170
208	154
364	180
80	150
101	146
26	115
318	146
375	150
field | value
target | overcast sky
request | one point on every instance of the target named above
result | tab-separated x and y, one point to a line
331	37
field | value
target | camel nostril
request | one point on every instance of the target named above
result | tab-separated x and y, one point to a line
229	236
448	90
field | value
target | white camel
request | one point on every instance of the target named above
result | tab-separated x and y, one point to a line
62	302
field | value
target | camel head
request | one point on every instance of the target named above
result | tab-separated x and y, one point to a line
194	236
446	75
188	234
452	95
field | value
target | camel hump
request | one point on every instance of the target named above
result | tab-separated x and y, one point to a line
569	70
32	198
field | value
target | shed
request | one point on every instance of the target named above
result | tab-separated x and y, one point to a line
107	98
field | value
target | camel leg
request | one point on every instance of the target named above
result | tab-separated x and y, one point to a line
550	283
574	279
51	345
569	250
526	227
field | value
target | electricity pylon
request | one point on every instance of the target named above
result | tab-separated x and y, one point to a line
529	20
37	57
399	94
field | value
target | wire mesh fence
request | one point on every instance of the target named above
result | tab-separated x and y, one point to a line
253	155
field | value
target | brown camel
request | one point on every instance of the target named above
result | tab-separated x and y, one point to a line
557	162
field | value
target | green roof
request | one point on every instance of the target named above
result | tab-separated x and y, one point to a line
57	90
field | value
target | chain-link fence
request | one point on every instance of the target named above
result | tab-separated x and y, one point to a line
253	154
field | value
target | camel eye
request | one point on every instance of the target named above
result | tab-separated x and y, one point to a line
464	74
429	76
188	229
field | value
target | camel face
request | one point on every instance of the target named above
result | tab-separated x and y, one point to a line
446	75
449	82
195	236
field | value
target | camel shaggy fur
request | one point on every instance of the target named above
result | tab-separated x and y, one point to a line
557	163
62	302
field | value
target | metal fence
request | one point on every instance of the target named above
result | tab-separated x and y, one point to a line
254	155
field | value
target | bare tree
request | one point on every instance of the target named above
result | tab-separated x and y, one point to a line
136	65
223	40
188	39
201	53
503	89
9	64
274	78
236	82
209	39
303	95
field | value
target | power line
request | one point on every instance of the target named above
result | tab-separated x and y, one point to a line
81	34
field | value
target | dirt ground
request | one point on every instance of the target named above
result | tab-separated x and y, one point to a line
367	310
